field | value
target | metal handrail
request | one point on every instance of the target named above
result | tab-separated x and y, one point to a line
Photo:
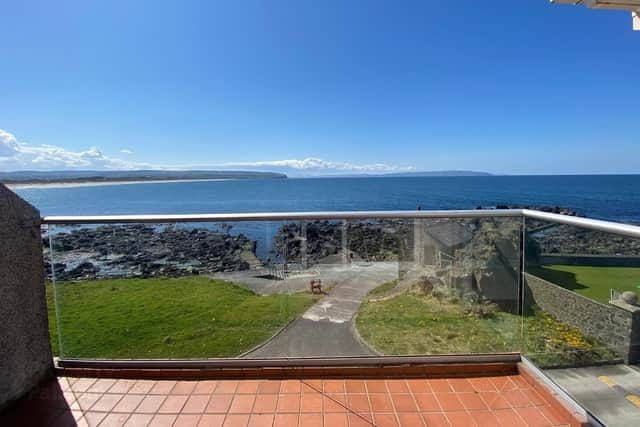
593	224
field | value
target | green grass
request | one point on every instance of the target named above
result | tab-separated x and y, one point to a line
382	290
591	282
192	317
414	324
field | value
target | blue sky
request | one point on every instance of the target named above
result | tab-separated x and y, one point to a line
518	87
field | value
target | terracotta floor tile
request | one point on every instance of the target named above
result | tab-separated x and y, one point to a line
269	387
288	403
397	386
184	387
494	400
310	420
449	402
410	420
290	386
376	386
336	420
404	403
355	386
211	420
440	386
187	420
503	383
311	386
219	403
427	403
358	402
122	386
150	404
173	404
128	403
331	405
461	385
311	403
472	401
285	420
162	387
436	419
419	386
261	420
163	420
360	420
114	420
265	403
82	384
139	420
196	404
385	420
86	401
460	419
380	403
535	397
94	418
248	387
485	419
508	418
205	387
141	387
101	386
534	417
242	404
236	420
226	387
106	402
517	398
333	386
552	416
520	382
482	384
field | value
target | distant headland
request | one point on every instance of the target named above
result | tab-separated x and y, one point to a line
135	176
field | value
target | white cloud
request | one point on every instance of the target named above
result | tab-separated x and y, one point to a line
315	164
17	155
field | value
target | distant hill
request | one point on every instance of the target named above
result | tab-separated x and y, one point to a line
416	174
38	177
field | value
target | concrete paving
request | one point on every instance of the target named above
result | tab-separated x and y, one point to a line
326	329
604	391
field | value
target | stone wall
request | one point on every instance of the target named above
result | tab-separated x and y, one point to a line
25	351
617	327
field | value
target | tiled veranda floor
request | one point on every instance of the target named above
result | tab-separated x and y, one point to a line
485	401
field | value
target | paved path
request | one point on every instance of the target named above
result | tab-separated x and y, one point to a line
326	329
605	391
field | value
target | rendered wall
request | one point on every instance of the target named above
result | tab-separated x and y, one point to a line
25	351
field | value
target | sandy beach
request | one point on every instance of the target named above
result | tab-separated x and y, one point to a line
103	183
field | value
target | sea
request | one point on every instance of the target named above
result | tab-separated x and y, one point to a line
608	197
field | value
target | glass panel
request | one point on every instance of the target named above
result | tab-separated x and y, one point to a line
164	291
574	284
286	288
455	290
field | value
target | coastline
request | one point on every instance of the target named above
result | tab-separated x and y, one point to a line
37	185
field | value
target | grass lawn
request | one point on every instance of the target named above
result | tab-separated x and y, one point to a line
191	317
591	282
413	324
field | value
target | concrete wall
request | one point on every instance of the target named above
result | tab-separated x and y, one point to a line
618	327
25	351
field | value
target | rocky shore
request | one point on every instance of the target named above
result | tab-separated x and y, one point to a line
369	241
146	251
